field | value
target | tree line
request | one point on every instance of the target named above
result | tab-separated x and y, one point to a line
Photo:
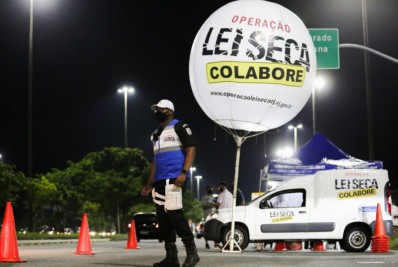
106	185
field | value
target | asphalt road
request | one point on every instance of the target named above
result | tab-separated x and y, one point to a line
108	253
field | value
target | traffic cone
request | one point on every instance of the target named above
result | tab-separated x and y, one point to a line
295	245
380	241
132	238
8	237
280	246
318	246
84	242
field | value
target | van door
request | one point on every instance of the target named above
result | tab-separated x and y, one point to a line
283	215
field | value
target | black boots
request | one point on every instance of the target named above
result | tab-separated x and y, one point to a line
171	259
192	254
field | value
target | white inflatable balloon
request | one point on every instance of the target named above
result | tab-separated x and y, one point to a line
252	65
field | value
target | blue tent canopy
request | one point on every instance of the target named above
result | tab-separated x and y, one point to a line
319	154
317	148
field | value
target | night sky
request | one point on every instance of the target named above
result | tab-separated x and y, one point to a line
84	50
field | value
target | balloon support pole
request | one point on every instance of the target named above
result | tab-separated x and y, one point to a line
232	240
231	243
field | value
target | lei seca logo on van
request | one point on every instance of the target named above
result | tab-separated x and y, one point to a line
362	188
281	216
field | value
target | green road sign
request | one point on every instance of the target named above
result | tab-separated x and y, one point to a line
326	42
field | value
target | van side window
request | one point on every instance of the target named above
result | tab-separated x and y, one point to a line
285	199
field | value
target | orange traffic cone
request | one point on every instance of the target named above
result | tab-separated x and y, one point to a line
84	242
8	238
295	245
132	238
318	246
280	246
380	241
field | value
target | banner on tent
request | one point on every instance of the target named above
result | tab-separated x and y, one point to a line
286	168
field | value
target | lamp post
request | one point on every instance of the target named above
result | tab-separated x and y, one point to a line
313	109
369	103
125	90
319	84
30	95
198	177
295	134
191	170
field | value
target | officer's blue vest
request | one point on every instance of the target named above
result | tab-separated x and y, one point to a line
169	154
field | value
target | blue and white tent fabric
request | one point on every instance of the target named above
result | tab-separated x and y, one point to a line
316	155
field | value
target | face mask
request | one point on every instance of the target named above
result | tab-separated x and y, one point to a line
160	116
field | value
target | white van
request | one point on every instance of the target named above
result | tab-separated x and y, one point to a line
332	205
394	215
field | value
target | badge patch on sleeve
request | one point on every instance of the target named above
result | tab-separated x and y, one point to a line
187	129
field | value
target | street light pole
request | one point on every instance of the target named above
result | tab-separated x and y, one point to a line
125	90
313	110
30	95
319	84
295	134
198	177
191	170
369	103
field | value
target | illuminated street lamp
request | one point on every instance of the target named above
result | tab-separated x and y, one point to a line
198	177
191	170
125	90
284	153
295	134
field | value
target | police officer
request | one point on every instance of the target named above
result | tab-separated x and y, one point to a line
174	152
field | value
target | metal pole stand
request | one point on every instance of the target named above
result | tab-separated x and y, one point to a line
231	240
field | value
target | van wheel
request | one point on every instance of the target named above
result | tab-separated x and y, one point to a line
356	239
241	236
